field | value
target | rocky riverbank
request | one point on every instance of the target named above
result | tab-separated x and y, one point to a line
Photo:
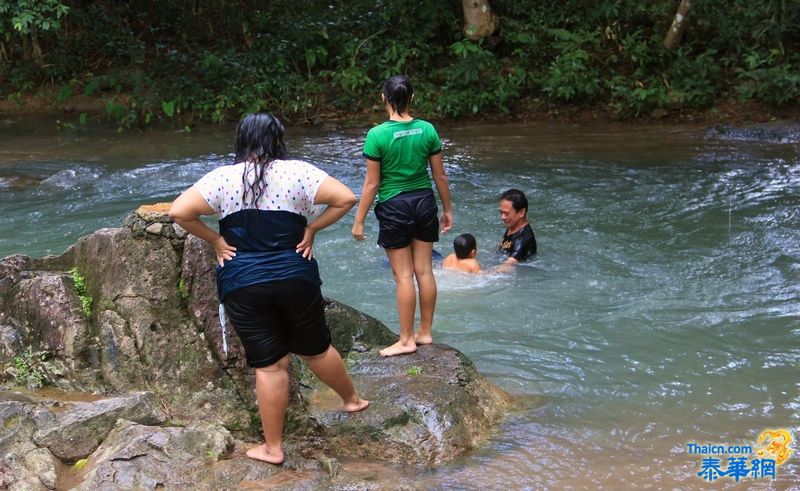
122	333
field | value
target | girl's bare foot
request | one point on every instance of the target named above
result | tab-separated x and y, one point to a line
354	407
261	452
423	338
398	349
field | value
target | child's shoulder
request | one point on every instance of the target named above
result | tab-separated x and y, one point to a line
472	265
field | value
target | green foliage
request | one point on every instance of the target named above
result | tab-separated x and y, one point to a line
26	16
80	287
572	75
29	369
414	371
212	61
476	81
770	78
168	107
182	292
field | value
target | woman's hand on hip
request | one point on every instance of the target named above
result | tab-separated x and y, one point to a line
223	250
306	246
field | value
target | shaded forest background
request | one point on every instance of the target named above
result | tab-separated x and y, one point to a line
310	61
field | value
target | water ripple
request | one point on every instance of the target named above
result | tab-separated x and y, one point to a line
662	307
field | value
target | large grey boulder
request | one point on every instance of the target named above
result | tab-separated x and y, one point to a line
48	312
427	407
151	457
23	465
76	432
154	326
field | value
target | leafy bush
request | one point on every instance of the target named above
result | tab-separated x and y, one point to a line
207	60
80	287
768	78
29	369
572	76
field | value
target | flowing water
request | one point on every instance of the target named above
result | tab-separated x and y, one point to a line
662	309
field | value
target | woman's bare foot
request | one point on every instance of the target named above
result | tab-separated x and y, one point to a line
354	407
261	452
398	349
423	338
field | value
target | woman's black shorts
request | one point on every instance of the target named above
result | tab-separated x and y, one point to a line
409	215
276	318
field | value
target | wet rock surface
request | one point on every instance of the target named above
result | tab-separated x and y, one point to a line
152	400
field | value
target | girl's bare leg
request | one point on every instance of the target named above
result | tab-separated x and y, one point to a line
403	271
422	255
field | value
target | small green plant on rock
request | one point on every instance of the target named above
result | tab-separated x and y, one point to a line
29	369
182	291
80	287
414	371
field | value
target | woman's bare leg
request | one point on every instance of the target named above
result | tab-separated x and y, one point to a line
329	367
272	393
422	255
403	271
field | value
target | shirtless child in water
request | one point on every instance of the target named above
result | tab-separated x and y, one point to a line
463	259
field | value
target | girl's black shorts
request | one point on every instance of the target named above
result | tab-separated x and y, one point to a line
409	215
276	318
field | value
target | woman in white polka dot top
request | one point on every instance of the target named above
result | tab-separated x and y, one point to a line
270	210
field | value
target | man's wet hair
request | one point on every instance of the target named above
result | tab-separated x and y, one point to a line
517	199
463	245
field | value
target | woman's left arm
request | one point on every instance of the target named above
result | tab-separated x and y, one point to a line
443	187
339	199
186	211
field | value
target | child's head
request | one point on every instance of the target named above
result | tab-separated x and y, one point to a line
398	93
463	245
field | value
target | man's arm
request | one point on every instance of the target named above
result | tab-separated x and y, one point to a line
507	265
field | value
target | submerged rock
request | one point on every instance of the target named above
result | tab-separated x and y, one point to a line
152	325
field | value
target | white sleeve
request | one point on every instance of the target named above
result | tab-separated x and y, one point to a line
310	179
212	189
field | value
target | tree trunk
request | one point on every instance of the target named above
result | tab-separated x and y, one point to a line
36	48
26	48
673	37
479	20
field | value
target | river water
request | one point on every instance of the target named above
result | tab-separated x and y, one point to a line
663	308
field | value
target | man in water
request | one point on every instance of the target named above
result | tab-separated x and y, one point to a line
519	242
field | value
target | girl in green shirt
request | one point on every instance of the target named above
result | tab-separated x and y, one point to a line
398	153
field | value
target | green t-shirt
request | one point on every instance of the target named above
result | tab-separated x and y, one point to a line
403	149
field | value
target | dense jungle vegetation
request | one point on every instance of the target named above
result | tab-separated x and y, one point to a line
308	60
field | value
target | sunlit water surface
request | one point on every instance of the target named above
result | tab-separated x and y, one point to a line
662	308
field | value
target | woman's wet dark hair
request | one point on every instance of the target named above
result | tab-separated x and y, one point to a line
259	141
398	91
463	245
517	199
